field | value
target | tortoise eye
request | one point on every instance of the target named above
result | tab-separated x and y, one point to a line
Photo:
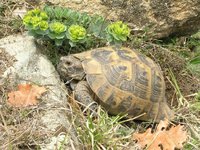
68	63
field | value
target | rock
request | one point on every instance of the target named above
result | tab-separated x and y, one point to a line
92	7
32	67
64	1
160	18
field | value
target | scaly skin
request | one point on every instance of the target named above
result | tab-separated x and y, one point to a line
84	95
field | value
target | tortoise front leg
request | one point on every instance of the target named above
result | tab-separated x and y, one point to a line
84	95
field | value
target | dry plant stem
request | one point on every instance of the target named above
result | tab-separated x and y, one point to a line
195	133
163	49
101	146
192	95
155	137
5	125
182	100
193	145
72	145
16	138
88	106
172	99
8	143
130	119
2	62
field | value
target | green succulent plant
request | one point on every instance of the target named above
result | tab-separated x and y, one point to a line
33	16
76	29
57	32
27	20
43	15
76	34
57	28
36	21
34	12
117	32
43	25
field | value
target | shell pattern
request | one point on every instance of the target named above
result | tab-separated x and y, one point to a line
126	81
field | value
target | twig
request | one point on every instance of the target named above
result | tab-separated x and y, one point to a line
4	122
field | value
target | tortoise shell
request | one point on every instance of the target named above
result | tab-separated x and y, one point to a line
126	81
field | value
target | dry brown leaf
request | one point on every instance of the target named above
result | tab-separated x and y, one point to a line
162	139
26	95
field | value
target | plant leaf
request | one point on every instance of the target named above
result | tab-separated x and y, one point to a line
26	95
58	42
167	139
97	26
195	60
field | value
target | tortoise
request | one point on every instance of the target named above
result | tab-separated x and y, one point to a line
120	79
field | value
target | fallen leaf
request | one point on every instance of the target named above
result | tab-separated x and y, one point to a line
26	95
162	139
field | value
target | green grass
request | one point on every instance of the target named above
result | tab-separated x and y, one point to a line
187	113
192	144
182	101
194	68
103	132
195	106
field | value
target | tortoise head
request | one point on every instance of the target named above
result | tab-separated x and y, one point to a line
70	67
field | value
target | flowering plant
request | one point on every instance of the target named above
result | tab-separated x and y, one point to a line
117	32
57	32
63	25
76	33
36	21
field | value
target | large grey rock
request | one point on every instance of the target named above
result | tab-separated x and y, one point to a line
161	17
32	67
